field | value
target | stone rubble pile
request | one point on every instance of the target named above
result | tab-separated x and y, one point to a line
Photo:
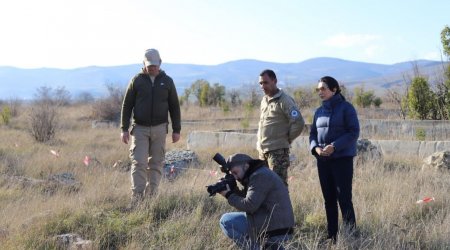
367	152
438	160
177	161
72	241
62	181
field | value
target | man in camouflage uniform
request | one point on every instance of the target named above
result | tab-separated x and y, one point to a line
280	123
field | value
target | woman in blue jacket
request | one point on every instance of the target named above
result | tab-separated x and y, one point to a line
332	138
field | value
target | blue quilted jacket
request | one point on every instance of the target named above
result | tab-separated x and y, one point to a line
336	123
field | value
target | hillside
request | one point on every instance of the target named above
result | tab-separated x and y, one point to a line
21	83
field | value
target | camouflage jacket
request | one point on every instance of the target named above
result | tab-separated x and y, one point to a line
280	122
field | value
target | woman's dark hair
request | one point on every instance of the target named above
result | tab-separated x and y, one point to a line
332	84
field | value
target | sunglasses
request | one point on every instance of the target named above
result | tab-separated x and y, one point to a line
321	89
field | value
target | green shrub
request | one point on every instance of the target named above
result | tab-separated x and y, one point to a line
225	107
421	134
6	115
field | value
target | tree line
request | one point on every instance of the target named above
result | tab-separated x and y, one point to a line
422	100
418	100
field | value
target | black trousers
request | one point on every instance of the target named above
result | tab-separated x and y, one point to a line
336	177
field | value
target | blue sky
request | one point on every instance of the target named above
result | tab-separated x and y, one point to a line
70	34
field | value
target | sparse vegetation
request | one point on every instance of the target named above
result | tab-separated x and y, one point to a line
443	89
6	115
182	216
420	99
365	98
305	97
205	94
421	134
109	107
43	118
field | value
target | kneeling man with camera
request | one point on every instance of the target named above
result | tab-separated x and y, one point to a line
266	219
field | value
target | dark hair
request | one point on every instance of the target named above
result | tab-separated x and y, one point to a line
269	73
332	84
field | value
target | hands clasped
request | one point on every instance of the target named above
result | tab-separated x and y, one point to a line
326	151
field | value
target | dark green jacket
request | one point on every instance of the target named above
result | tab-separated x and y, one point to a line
150	102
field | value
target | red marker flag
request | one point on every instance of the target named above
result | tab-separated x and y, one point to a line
172	170
425	200
86	160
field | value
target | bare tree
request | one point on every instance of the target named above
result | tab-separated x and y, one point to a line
109	107
62	96
85	97
305	97
43	121
397	98
235	97
43	116
441	88
186	95
14	106
42	95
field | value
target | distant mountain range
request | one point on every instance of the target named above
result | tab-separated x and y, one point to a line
22	83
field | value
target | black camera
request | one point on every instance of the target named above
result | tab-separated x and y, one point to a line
221	185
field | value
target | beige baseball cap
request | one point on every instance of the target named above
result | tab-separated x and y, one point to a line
151	57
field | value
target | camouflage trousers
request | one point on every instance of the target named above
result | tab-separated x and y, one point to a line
278	161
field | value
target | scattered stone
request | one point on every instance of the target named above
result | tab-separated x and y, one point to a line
367	152
72	241
14	181
63	181
104	124
177	161
64	178
122	166
438	160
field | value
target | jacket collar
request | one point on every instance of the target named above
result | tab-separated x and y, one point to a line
333	101
161	73
277	95
254	165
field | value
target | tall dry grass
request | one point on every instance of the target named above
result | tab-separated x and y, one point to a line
182	216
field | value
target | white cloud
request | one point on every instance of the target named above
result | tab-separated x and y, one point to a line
347	41
434	55
373	51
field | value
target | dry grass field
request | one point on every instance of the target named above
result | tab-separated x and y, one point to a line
181	215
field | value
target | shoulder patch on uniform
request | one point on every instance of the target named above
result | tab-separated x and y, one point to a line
294	113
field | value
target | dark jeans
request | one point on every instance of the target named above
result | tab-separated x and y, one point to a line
335	177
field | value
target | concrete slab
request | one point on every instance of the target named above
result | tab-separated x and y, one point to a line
200	140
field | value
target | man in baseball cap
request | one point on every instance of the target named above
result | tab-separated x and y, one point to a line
149	99
151	57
